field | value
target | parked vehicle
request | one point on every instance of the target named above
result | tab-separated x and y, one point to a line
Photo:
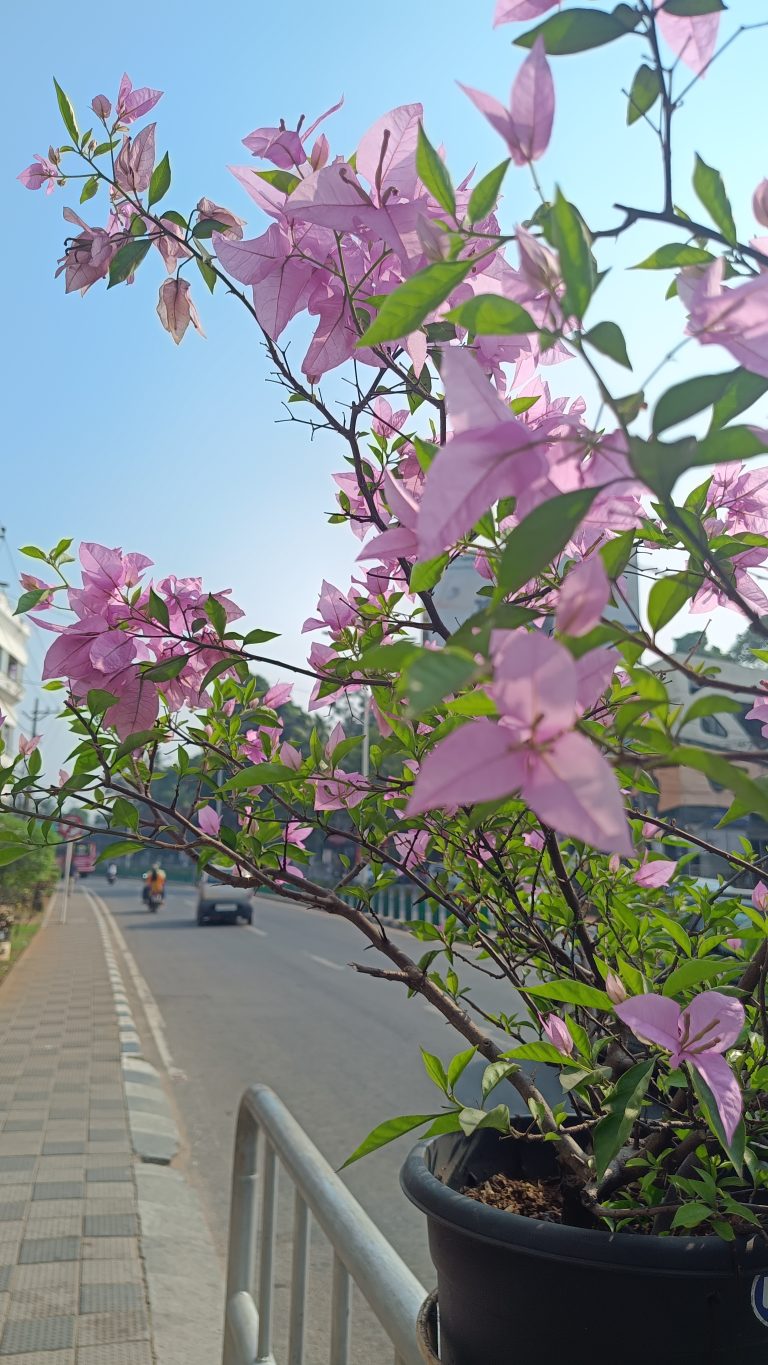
218	900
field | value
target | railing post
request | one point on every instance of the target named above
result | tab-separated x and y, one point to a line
299	1278
267	1250
341	1310
242	1222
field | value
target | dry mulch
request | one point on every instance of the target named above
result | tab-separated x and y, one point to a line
541	1200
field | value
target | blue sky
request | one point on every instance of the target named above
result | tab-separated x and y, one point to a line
114	434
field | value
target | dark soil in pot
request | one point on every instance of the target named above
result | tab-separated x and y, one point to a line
532	1291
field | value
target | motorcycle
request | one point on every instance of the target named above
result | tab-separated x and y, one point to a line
154	901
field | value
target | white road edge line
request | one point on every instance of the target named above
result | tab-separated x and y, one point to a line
254	929
324	962
150	1006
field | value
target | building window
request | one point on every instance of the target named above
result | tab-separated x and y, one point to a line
711	726
14	669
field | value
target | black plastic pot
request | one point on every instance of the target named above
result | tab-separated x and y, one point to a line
514	1291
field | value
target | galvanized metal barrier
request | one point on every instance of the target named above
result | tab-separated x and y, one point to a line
267	1137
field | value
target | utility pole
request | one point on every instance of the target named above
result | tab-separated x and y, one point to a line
37	716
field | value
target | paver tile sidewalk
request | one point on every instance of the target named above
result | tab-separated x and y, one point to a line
72	1289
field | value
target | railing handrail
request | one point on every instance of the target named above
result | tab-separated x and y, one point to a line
389	1287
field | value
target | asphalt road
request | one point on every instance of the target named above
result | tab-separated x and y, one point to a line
277	1003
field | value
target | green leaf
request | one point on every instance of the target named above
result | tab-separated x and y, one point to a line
630	406
734	1151
691	1215
67	112
207	271
138	740
216	613
160	182
257	774
282	180
32	552
260	637
725	774
404	310
616	553
206	228
645	90
387	1132
695	971
472	1119
709	186
660	464
689	8
433	675
10	853
668	596
676	931
98	701
435	1070
389	658
446	1123
124	813
484	196
541	536
215	671
138	226
608	338
170	668
117	850
731	443
673	256
458	1065
686	399
494	1073
712	706
432	172
89	189
576	261
29	599
622	1104
157	609
492	315
427	573
576	30
540	1052
127	259
744	390
572	993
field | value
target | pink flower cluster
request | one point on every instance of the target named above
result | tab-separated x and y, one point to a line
119	631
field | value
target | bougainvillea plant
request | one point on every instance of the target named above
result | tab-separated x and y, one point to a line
514	773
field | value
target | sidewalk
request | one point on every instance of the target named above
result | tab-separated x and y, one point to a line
95	1245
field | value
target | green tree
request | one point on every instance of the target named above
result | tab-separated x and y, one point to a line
37	869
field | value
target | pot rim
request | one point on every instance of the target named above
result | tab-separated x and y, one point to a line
554	1241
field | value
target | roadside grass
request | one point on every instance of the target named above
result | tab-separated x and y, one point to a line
21	936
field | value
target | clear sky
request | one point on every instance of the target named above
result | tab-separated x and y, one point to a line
111	432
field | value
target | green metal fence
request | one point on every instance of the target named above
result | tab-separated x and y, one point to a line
407	904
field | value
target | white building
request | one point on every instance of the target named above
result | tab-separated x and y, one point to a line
689	797
14	637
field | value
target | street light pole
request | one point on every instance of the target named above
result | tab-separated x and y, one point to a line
366	764
67	877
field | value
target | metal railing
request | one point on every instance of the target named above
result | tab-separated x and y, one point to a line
408	904
268	1135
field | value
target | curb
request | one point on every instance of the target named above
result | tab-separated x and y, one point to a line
154	1134
183	1273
